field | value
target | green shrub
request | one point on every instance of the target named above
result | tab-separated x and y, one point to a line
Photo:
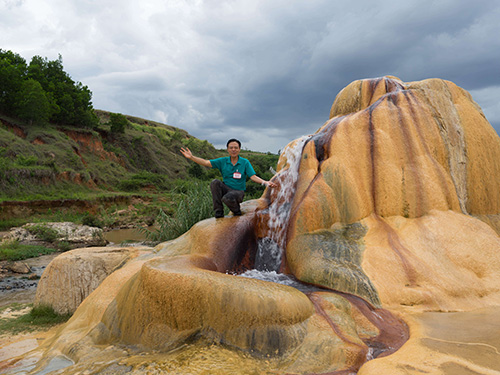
145	179
92	221
177	135
130	185
63	246
118	122
254	191
26	161
43	232
197	171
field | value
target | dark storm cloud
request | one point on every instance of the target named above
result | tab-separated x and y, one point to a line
265	71
449	40
460	46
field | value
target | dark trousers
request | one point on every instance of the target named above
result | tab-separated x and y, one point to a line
222	193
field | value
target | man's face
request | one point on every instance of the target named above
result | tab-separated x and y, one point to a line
233	149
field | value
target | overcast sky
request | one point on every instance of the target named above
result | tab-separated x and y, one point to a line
264	71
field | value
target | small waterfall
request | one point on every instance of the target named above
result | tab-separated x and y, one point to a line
270	248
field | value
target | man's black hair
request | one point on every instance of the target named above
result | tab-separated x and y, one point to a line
233	140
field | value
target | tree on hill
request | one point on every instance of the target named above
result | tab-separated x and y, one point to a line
12	74
72	100
33	105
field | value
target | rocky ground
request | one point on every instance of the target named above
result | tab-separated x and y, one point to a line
18	280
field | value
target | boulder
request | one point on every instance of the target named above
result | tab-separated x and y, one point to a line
408	171
18	267
73	275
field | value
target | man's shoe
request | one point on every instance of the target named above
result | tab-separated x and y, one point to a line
237	213
219	215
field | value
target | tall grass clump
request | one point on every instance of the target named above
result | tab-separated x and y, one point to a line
195	204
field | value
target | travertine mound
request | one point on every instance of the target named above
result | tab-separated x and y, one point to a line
402	170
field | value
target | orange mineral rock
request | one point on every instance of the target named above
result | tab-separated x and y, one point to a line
388	195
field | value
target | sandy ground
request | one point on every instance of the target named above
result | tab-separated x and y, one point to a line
13	346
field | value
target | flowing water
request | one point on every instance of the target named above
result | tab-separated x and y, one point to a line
270	248
280	278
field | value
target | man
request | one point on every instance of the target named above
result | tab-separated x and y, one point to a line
234	170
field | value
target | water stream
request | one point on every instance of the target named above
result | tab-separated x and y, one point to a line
270	248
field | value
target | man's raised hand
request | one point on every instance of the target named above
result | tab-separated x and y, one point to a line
186	152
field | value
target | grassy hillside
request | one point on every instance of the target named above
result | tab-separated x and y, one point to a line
62	162
56	161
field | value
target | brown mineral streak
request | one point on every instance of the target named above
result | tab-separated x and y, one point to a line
400	250
371	141
316	301
409	142
323	138
412	104
394	332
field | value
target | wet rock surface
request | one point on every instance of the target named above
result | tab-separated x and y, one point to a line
16	267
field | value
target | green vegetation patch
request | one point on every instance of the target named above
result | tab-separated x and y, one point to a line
17	188
42	317
13	250
43	232
146	180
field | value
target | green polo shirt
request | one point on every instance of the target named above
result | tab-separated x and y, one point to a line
228	170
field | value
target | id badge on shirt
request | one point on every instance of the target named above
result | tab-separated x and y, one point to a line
237	175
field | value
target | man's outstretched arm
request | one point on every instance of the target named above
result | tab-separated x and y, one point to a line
189	155
259	180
